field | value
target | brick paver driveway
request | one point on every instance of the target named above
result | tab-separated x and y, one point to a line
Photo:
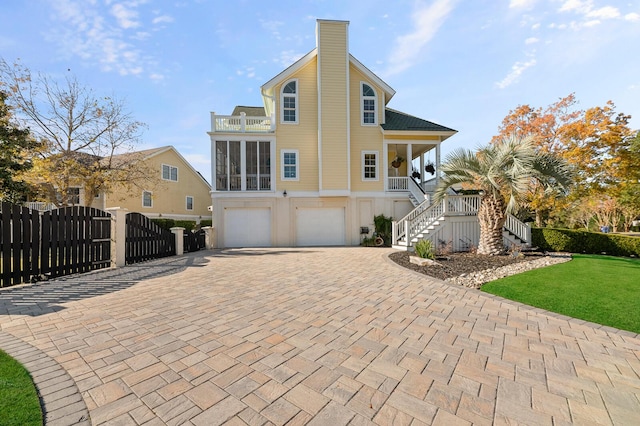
329	336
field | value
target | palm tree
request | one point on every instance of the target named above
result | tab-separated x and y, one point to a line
503	173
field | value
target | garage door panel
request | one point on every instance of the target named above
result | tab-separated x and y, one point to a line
320	226
245	227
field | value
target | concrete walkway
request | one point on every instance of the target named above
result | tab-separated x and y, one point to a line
327	336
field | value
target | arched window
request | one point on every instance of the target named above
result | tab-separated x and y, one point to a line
289	102
368	105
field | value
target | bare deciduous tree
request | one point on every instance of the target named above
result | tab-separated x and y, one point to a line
82	135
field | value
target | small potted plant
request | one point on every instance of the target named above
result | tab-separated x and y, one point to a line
430	168
397	161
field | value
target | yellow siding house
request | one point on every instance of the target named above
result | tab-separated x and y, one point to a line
318	160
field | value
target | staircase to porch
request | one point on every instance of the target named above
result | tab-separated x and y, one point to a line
429	220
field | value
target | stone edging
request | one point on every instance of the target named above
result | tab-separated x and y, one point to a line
60	398
477	279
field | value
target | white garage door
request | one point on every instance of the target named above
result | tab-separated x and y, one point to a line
320	227
247	227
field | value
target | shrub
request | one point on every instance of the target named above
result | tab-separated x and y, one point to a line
206	222
164	223
424	249
552	239
167	224
383	225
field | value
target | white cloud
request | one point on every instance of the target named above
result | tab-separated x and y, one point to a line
521	4
607	12
104	36
162	19
516	71
288	57
578	6
127	18
633	17
531	40
426	22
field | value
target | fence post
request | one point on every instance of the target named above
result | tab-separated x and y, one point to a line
209	237
178	232
118	235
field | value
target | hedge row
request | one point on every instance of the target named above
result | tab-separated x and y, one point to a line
567	240
189	225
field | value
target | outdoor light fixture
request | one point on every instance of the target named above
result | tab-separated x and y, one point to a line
284	194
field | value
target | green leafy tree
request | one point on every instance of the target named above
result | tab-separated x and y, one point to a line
503	172
15	145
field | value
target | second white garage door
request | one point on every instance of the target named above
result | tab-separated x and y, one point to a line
247	227
320	226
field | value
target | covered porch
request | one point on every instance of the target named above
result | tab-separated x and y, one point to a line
412	166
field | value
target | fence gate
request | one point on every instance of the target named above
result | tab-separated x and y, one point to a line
194	240
145	240
60	242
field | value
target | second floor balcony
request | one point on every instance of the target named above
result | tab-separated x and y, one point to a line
241	124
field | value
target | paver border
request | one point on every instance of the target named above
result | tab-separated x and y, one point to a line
60	399
522	306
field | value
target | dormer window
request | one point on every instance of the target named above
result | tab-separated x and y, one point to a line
368	105
289	100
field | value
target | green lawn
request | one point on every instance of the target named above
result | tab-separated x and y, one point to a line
19	403
600	289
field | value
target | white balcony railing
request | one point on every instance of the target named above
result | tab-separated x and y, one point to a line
398	184
241	124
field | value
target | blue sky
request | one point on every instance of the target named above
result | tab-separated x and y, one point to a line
462	64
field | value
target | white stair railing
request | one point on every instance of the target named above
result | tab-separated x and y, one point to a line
518	228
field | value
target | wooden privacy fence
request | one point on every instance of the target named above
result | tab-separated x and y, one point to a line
58	242
145	240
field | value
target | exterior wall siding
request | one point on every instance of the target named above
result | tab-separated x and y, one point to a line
302	136
364	138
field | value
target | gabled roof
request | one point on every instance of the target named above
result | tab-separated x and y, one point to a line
293	68
396	120
250	111
152	152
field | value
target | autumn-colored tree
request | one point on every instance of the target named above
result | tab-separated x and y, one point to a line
81	135
596	143
545	128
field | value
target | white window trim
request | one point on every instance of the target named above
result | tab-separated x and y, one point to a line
289	151
147	207
186	203
375	104
377	168
297	97
170	167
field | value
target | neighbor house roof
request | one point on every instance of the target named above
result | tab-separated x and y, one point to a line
250	111
152	152
396	120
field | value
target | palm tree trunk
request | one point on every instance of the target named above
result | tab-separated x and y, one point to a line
491	216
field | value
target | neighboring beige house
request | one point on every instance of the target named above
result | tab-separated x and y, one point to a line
180	191
177	190
319	159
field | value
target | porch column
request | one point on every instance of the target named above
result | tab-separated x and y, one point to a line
422	177
438	161
409	160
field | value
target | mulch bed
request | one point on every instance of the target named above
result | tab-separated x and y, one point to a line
456	264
